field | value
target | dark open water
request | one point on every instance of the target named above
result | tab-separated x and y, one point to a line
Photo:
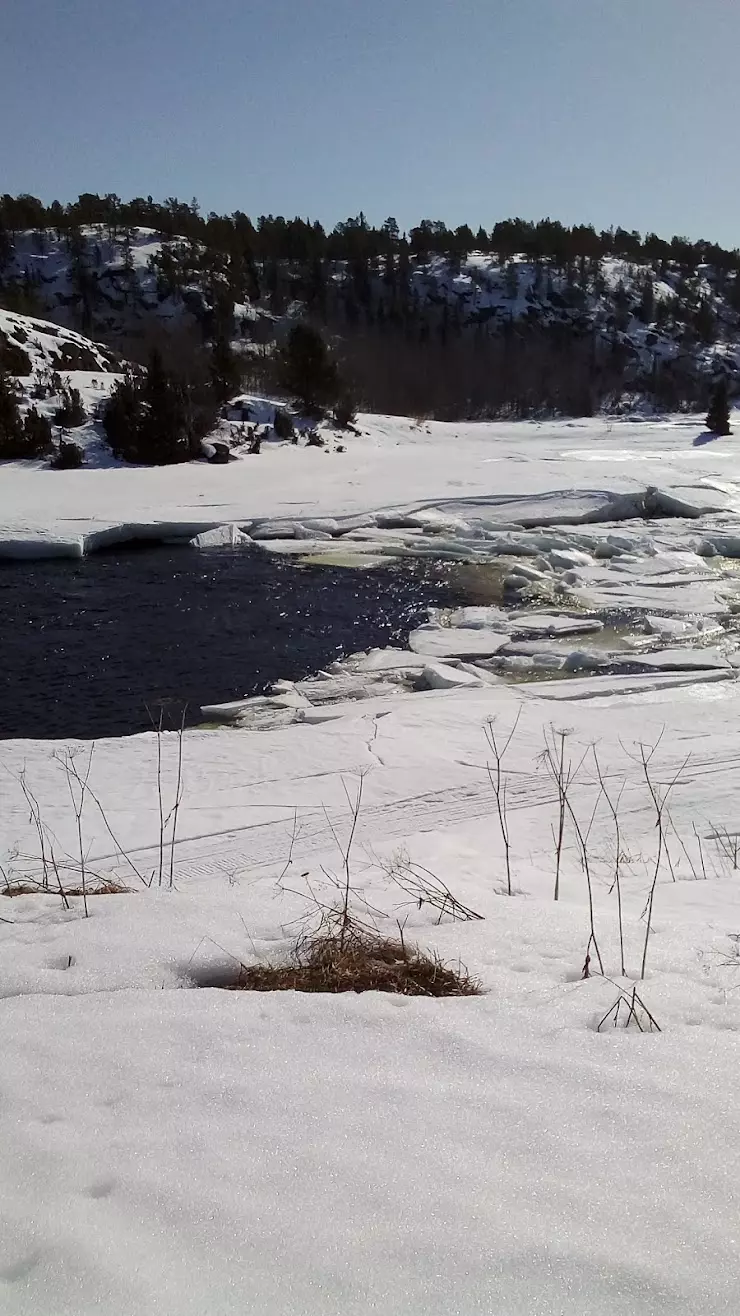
96	646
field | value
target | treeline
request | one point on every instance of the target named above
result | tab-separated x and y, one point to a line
273	237
557	335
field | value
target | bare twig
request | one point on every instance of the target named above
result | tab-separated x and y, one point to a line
425	888
178	798
613	807
659	797
67	761
499	786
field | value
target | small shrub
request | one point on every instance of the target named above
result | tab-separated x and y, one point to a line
36	433
40	387
314	439
69	456
718	418
345	412
70	413
283	424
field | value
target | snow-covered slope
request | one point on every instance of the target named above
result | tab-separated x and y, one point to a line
31	346
482	290
45	359
651	314
121	286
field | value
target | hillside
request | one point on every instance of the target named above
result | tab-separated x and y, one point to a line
524	320
62	377
30	346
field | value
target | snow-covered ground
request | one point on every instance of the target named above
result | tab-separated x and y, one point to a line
173	1148
168	1146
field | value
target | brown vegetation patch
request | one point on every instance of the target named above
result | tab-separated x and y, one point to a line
25	887
359	962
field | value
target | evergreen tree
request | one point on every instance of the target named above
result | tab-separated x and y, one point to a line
718	416
316	288
705	322
36	434
307	371
122	418
164	436
646	309
226	373
6	246
11	427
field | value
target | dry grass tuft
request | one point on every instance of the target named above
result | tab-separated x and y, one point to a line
358	962
26	887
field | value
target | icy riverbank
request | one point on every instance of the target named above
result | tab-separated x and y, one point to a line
170	1145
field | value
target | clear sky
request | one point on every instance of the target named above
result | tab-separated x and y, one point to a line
594	111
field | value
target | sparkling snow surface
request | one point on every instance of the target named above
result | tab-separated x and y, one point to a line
168	1146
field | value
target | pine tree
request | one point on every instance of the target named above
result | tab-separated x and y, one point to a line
163	433
122	419
11	427
226	371
36	433
718	416
646	309
307	371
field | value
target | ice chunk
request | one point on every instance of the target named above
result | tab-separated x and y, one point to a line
719	545
456	642
584	660
479	617
273	530
571	557
362	521
682	660
548	623
328	525
670	627
338	689
439	676
224	536
302	531
387	660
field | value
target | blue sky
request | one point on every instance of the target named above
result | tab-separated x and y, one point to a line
620	112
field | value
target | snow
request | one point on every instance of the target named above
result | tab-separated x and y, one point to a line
201	1149
168	1145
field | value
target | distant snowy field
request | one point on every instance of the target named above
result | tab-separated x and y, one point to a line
170	1147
